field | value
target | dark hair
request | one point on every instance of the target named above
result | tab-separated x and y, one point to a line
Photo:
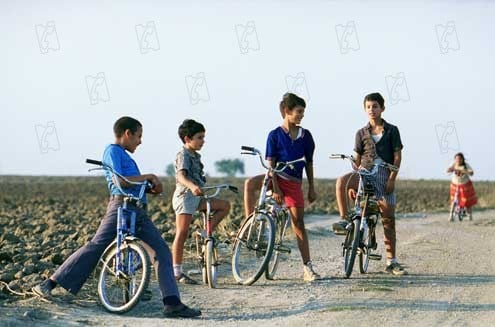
126	123
190	127
375	97
290	100
460	154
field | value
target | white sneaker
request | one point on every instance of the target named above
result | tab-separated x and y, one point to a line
309	274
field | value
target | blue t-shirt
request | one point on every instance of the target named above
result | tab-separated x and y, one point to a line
281	147
116	157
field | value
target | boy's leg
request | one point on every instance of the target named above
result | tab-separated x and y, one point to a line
182	222
389	235
161	256
220	209
148	232
297	220
72	274
343	186
251	185
345	182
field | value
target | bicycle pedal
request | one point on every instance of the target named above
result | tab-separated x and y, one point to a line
282	248
375	256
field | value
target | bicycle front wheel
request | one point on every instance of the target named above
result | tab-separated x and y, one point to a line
253	248
279	247
350	247
365	250
120	292
211	263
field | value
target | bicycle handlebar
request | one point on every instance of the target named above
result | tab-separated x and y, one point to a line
217	189
283	165
104	166
364	171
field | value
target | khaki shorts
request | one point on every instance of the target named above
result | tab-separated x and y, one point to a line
185	203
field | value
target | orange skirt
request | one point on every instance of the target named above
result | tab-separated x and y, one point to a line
467	196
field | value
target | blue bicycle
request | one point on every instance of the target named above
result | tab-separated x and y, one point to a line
125	264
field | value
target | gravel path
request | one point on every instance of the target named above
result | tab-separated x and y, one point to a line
451	282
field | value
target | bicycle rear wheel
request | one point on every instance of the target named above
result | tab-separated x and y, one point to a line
350	247
211	263
120	293
279	248
253	248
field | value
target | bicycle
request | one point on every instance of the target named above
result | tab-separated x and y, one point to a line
360	238
262	232
206	245
125	264
456	210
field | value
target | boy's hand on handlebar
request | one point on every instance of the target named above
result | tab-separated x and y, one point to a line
157	186
196	190
278	196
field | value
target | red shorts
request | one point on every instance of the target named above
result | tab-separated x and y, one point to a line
293	194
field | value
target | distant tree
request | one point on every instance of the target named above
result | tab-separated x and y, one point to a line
170	170
230	167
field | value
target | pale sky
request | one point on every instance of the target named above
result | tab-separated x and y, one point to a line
68	71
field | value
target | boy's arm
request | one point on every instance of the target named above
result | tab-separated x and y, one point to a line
311	186
153	179
357	160
277	194
182	179
389	188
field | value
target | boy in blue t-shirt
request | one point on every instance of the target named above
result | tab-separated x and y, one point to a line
286	143
72	274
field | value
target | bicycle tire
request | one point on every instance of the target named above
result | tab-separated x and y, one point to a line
210	263
351	244
364	254
272	265
253	247
128	289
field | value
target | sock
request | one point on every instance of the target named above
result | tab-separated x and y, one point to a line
177	270
171	300
308	264
391	261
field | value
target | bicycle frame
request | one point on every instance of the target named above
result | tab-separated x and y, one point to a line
126	218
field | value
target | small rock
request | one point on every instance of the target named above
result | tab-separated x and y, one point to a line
19	275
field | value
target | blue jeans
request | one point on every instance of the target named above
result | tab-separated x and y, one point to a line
74	272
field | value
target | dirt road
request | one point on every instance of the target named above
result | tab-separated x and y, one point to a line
451	282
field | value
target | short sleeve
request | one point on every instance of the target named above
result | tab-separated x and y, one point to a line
358	143
468	168
309	148
271	146
396	141
182	162
113	157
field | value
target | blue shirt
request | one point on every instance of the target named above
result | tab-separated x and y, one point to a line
116	157
280	147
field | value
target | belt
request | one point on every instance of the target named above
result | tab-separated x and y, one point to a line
135	203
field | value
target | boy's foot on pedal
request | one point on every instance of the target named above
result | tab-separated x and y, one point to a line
184	279
395	269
